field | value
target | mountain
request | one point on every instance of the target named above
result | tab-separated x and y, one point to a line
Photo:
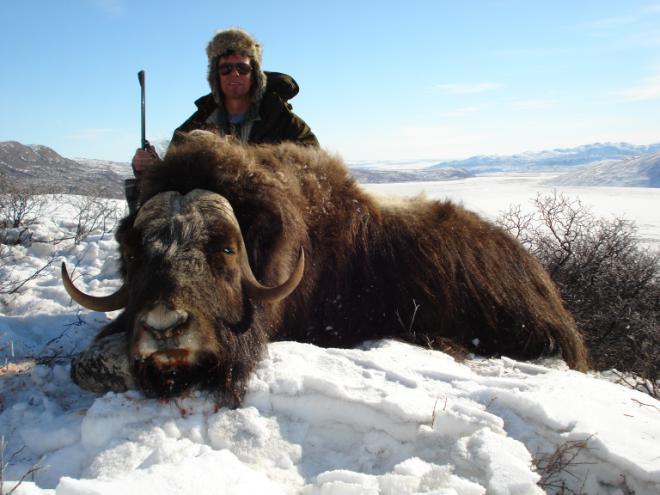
620	164
551	159
643	171
43	168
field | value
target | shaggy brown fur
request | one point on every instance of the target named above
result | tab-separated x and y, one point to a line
428	272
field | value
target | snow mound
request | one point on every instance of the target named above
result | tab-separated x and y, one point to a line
389	418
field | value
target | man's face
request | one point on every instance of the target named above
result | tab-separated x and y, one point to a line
234	84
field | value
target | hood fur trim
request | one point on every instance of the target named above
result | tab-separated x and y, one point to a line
235	40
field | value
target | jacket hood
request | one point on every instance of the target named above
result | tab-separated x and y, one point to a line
235	40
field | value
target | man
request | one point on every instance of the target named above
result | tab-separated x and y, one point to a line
245	102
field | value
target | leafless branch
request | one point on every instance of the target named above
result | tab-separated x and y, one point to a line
3	466
609	282
554	467
11	286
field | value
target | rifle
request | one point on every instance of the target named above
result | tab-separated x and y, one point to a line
131	186
144	141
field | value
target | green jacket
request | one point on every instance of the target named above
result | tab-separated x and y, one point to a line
269	121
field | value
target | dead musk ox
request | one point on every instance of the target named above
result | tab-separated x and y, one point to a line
235	246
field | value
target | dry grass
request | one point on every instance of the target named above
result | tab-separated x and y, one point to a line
563	463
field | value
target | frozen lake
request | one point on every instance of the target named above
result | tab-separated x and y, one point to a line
491	195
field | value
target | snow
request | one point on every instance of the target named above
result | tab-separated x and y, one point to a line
385	418
492	194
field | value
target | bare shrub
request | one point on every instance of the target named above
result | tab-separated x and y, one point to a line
565	471
92	214
3	466
20	206
562	464
10	283
608	280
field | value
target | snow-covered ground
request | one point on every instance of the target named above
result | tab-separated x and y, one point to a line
387	418
490	195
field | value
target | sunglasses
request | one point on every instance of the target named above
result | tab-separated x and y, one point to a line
226	68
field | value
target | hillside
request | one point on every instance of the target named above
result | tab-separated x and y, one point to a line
45	169
643	171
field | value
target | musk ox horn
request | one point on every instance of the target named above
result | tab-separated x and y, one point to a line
272	294
253	288
105	303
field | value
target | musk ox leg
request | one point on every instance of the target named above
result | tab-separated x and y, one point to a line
103	366
444	344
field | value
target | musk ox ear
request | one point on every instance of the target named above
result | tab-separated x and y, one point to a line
260	292
105	303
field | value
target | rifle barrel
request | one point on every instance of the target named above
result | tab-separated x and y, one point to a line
143	112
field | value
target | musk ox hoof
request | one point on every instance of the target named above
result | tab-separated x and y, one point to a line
103	366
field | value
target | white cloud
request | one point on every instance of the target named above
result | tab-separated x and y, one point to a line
649	89
532	104
468	88
461	112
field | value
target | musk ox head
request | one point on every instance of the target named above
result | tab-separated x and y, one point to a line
194	312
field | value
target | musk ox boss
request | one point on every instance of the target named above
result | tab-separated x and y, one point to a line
236	246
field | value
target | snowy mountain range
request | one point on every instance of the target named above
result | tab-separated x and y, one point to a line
599	164
559	158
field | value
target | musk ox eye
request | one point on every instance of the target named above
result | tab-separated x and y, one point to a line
228	250
128	255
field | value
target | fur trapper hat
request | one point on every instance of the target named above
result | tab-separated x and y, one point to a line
235	40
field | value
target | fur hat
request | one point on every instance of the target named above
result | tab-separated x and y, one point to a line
235	40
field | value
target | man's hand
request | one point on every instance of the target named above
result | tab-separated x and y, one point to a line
144	158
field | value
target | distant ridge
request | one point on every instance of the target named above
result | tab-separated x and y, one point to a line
598	164
45	169
558	158
643	171
633	169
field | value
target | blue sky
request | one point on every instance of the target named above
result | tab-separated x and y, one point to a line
379	79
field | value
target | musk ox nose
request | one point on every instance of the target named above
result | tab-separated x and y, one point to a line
162	321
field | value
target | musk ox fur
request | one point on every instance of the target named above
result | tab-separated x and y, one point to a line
235	246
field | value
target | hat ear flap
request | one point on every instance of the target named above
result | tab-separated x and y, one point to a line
214	80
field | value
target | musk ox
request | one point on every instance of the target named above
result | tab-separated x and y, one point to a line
236	246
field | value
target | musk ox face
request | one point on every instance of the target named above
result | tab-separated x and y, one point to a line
191	301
